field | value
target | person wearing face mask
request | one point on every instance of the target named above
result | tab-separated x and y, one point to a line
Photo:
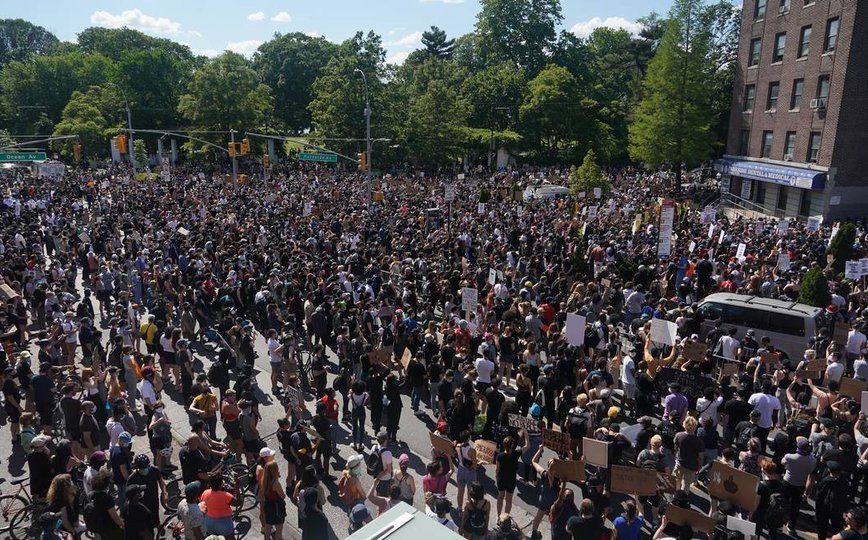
205	406
160	436
350	486
39	463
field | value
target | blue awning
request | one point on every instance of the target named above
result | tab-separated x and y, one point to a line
779	174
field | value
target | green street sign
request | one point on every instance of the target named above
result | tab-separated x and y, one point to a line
22	156
322	158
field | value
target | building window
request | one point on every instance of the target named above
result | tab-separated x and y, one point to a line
805	203
789	145
831	35
814	146
782	197
749	97
759	10
744	142
808	2
823	87
805	41
760	193
780	45
772	99
755	45
768	138
784	7
796	97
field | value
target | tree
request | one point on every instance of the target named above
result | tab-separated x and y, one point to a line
814	290
153	80
226	94
673	122
495	95
841	246
113	42
520	31
436	44
92	115
289	64
141	153
20	40
6	139
588	176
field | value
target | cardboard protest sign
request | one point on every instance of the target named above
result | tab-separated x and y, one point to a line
853	388
816	365
840	333
8	292
606	282
575	329
663	331
729	368
492	276
523	422
695	520
405	358
84	237
469	299
294	398
747	528
769	358
485	451
556	440
442	444
730	484
853	270
569	470
595	452
694	350
634	480
691	382
379	356
807	374
666	482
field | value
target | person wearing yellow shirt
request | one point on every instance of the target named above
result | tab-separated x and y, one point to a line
205	406
149	332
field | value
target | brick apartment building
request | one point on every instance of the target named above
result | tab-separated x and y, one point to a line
798	129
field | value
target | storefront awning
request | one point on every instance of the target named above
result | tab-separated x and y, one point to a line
778	174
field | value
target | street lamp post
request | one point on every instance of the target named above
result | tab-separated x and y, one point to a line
367	137
132	147
492	155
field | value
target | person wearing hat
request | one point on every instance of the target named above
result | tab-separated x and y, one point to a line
39	465
190	513
138	517
359	517
350	486
95	463
798	467
151	480
120	460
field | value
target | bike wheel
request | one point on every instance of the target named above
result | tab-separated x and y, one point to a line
243	524
172	528
9	506
25	522
174	494
248	502
242	472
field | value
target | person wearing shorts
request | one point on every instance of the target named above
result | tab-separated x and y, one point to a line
506	473
218	509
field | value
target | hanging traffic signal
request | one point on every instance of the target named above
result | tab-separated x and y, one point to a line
231	149
76	151
266	161
363	161
245	146
122	143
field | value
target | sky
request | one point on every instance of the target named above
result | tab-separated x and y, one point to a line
210	27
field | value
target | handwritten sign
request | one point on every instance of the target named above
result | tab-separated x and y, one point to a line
663	331
469	299
556	440
769	358
492	276
523	422
568	470
293	399
840	334
8	292
807	374
816	365
442	444
485	451
729	368
730	484
595	452
691	518
380	356
853	388
694	351
405	358
575	329
634	480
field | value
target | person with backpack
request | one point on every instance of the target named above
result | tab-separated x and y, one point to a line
379	463
749	460
579	423
746	430
773	507
831	495
476	514
359	399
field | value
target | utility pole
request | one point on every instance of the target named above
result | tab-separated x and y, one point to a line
234	163
132	143
367	138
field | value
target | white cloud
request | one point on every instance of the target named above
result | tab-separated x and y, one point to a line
246	47
281	17
195	33
442	1
397	58
586	28
407	41
313	34
256	16
210	53
394	31
135	19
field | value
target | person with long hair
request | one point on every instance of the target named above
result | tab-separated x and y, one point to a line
63	499
272	499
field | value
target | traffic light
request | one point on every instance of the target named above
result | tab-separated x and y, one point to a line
266	161
76	151
122	144
245	146
231	149
363	161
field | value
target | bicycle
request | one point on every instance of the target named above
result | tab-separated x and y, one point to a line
25	523
12	503
172	528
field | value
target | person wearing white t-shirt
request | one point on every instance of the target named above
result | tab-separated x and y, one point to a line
628	378
835	369
855	342
727	345
385	477
768	406
484	368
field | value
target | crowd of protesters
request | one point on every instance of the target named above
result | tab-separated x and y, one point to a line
120	295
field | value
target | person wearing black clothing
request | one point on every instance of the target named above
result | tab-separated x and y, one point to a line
39	464
11	402
768	486
593	491
545	384
43	396
323	427
563	510
494	400
831	497
645	434
735	411
150	479
506	471
416	377
138	518
375	390
394	406
588	524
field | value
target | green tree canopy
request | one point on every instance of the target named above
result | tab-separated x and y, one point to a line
814	289
93	115
19	40
113	42
520	31
226	94
436	43
588	176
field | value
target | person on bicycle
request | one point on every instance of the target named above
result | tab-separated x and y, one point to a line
152	480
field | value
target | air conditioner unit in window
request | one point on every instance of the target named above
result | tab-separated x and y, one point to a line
788	157
818	103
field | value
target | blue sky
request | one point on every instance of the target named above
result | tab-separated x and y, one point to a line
241	25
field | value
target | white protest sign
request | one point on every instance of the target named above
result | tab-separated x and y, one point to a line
598	193
469	299
747	528
581	195
853	269
760	227
864	263
814	223
865	402
783	226
461	176
720	237
575	329
449	192
492	276
710	231
667	220
663	331
481	208
592	213
692	246
784	261
739	253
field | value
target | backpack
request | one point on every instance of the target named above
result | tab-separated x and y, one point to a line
374	462
750	464
26	435
577	423
744	436
91	520
778	510
592	337
476	520
218	375
822	446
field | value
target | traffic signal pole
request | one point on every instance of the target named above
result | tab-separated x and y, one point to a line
234	162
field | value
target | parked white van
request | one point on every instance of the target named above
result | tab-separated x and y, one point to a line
789	325
546	191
